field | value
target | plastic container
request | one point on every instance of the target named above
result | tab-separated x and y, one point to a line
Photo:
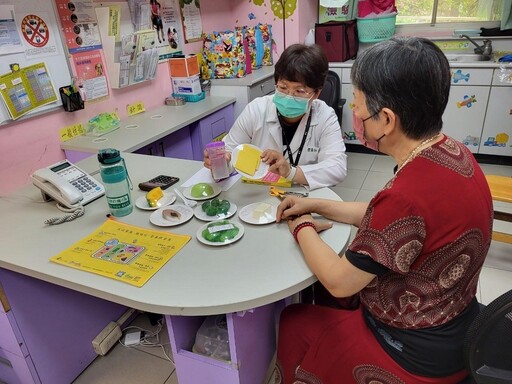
212	338
217	154
372	30
190	98
116	181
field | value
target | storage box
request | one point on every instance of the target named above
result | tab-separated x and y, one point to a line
185	66
338	39
372	30
186	85
212	338
326	12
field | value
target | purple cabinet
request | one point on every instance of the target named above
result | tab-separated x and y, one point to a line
189	142
46	336
178	145
252	341
210	128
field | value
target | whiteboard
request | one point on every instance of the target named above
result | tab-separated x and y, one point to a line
50	51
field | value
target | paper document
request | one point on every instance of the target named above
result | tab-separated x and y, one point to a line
204	175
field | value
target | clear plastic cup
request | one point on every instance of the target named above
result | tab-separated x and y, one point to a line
217	154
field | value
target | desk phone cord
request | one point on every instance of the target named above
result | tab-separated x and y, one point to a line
74	213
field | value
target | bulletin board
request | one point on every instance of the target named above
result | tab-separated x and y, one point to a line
42	45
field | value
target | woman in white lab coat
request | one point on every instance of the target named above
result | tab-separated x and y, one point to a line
300	135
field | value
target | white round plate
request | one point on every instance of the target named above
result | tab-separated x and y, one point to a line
246	214
216	192
167	198
186	213
201	215
260	172
238	236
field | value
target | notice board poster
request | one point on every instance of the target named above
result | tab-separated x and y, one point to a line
30	36
82	39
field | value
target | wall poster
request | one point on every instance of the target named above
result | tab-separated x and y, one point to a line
191	17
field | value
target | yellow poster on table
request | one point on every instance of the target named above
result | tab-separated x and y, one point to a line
123	252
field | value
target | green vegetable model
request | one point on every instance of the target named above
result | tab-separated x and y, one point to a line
216	207
220	231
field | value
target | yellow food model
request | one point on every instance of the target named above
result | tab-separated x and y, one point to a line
153	196
248	160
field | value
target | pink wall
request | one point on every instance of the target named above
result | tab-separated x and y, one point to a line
33	143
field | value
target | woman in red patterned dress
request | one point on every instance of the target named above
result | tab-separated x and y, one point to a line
421	241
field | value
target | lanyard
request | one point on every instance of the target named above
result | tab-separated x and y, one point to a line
299	152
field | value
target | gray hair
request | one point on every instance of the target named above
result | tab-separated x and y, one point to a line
410	76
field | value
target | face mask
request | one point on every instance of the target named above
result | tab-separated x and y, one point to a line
290	106
358	125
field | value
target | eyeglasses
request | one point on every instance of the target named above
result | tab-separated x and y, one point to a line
298	92
369	117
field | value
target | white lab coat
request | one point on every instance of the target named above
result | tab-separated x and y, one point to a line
323	159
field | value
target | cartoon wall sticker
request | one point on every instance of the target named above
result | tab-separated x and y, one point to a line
459	76
471	140
500	140
467	102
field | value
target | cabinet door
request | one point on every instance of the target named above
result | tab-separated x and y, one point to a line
10	336
463	118
149	149
497	132
262	88
16	369
177	145
211	128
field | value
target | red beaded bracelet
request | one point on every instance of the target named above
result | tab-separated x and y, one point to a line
300	226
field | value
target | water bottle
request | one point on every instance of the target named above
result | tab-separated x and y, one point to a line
116	181
217	154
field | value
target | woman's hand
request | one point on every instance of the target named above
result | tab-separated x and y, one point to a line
208	163
293	206
277	162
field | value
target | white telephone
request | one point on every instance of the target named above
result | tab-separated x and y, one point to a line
67	184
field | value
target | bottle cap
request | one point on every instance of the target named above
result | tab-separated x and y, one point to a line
108	156
215	144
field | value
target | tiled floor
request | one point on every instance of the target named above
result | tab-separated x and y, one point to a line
367	174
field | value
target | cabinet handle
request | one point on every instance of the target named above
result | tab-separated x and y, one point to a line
162	148
5	362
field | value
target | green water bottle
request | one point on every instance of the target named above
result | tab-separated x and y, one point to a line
116	181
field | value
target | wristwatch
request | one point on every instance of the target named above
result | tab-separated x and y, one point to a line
291	175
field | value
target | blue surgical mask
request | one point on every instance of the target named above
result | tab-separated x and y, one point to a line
290	106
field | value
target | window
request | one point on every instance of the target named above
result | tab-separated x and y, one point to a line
447	11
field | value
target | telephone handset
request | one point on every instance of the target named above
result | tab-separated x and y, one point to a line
67	184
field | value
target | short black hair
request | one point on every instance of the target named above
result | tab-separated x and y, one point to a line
410	76
306	64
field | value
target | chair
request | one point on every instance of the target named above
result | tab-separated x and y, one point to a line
501	190
488	343
331	93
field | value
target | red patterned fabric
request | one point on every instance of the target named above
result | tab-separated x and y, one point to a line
332	346
431	227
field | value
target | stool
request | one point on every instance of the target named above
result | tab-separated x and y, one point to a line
501	190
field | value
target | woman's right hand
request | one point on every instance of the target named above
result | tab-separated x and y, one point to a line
293	206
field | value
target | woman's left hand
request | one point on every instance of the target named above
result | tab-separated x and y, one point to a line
320	225
277	162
